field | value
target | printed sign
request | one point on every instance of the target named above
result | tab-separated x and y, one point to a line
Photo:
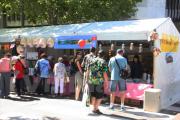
169	58
75	42
169	43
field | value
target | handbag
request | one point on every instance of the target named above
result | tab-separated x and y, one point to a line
26	71
66	78
86	96
123	72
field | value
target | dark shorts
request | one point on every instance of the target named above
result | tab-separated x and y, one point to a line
96	91
120	83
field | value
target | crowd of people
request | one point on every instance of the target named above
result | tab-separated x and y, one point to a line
90	69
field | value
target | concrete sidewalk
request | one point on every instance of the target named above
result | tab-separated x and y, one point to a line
47	108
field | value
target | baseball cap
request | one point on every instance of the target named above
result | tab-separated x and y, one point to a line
119	51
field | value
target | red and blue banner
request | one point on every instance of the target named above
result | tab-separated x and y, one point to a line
75	42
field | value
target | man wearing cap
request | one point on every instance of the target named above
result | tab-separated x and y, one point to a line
116	79
14	49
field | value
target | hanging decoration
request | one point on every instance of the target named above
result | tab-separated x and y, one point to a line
100	46
81	43
50	42
156	51
24	42
140	48
6	47
36	42
112	46
131	46
12	46
17	38
30	42
20	49
94	38
42	43
153	36
123	47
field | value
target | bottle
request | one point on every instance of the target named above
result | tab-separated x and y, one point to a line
148	79
144	77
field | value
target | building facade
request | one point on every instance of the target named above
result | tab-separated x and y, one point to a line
151	9
158	9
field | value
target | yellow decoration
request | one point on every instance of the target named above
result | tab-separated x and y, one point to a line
169	43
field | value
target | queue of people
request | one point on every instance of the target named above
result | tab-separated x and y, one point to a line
90	69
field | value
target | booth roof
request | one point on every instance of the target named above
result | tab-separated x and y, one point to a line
112	30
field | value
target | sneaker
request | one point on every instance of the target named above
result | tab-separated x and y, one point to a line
122	109
6	97
97	112
111	107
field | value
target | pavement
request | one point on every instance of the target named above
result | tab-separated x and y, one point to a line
49	108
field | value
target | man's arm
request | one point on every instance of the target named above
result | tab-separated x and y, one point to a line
83	62
54	69
36	64
109	65
105	76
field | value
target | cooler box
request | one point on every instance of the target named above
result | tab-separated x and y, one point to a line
152	100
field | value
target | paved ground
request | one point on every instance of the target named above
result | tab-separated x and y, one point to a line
41	108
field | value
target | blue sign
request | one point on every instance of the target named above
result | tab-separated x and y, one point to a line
72	42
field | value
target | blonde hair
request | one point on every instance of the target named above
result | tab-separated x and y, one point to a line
60	59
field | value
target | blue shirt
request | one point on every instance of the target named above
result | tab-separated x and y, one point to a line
44	67
114	69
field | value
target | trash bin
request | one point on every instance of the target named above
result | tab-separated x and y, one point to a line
152	100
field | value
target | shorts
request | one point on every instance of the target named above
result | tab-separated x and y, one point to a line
96	91
120	83
79	79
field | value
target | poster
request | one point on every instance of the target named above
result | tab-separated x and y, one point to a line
169	58
169	43
74	42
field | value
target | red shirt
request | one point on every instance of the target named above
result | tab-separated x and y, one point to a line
19	67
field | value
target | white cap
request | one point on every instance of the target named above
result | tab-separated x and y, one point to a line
14	58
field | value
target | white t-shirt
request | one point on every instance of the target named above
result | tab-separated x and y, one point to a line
59	70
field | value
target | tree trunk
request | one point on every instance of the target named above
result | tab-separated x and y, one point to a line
22	12
4	19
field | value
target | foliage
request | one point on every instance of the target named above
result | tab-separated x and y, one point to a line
70	11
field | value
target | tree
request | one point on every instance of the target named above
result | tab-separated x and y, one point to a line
6	8
54	12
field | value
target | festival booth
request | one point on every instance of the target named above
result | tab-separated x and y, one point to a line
158	36
155	41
